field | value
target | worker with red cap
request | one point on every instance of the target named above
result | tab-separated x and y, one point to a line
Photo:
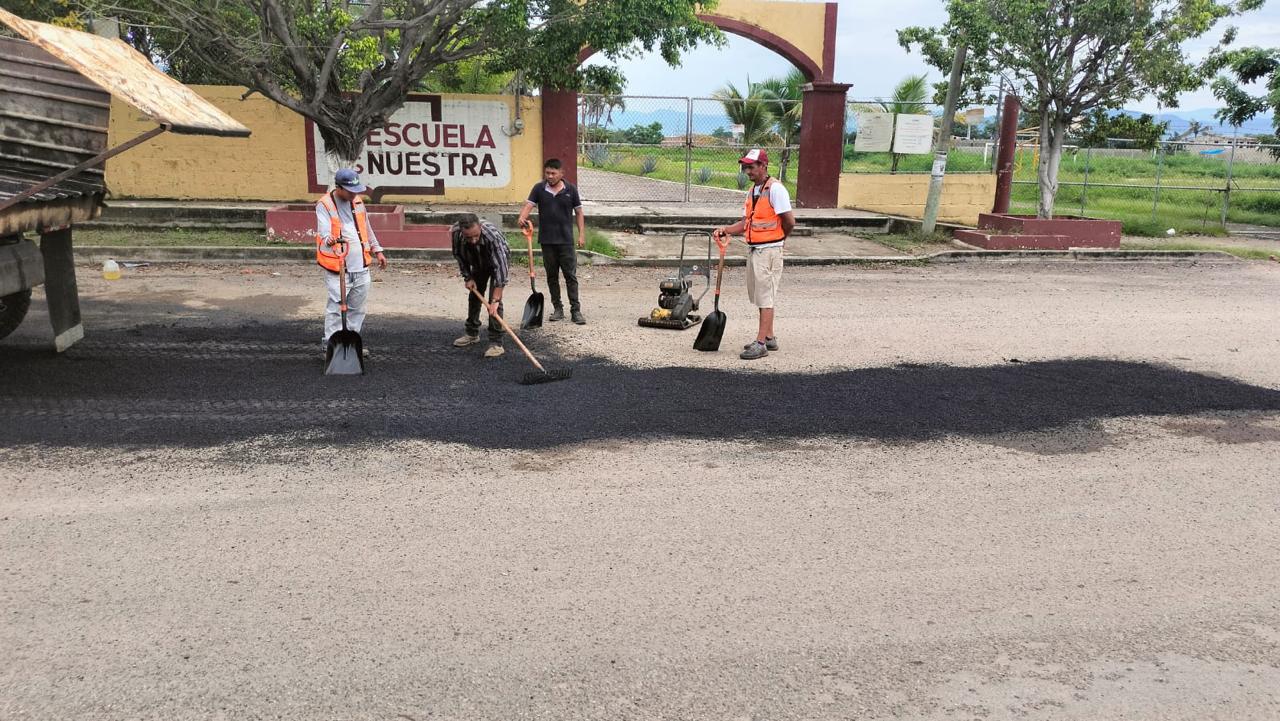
766	222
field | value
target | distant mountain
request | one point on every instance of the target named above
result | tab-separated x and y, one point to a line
707	116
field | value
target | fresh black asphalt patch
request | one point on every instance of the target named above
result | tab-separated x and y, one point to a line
161	385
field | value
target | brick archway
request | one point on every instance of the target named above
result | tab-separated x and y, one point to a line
822	124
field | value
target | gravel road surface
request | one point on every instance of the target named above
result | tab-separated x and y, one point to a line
966	491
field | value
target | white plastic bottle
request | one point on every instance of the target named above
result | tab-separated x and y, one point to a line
111	270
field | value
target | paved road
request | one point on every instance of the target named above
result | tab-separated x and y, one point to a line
976	491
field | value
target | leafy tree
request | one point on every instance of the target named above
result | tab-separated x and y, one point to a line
751	111
1271	144
1065	58
470	76
721	134
1100	125
784	99
1246	66
349	66
910	97
650	134
57	12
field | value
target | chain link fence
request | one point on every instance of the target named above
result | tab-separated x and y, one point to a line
645	149
1186	185
970	145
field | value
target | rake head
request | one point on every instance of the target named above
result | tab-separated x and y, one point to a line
551	376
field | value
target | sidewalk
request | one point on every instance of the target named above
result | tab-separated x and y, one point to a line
619	216
823	245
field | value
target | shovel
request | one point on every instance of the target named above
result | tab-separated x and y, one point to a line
345	353
712	329
534	306
542	375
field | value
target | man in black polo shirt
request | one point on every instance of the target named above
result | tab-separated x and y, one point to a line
559	207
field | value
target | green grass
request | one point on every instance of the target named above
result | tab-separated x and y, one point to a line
175	238
910	243
597	242
1245	253
1190	199
1186	211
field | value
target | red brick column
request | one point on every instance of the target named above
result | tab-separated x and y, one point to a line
821	145
560	129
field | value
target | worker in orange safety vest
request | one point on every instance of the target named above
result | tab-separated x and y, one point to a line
767	220
342	227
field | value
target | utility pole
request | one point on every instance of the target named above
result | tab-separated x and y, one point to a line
944	141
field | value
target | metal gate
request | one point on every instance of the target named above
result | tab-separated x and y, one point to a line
660	149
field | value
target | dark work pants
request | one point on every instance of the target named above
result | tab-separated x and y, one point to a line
562	259
474	307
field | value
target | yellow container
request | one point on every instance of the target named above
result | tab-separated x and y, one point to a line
111	270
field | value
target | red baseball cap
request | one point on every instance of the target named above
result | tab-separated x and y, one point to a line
753	156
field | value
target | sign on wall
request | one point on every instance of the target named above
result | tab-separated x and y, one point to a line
875	132
429	146
913	135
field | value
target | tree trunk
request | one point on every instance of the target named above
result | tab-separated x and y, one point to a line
342	150
783	163
1052	131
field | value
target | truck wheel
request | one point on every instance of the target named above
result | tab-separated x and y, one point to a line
13	308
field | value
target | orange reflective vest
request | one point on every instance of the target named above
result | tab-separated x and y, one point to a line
761	223
330	256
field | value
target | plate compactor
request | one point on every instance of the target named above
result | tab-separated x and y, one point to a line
676	302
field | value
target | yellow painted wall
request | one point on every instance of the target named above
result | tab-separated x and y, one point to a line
802	24
963	196
271	164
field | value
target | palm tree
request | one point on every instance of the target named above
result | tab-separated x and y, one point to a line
750	111
784	100
600	97
909	98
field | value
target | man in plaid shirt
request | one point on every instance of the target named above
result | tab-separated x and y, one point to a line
481	251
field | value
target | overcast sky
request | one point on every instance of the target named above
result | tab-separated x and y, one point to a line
868	55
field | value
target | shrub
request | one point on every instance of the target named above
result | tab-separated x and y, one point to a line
743	180
704	175
648	165
1257	202
600	156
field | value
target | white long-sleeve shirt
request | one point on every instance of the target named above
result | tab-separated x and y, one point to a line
355	259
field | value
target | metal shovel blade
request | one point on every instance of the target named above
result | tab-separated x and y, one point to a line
345	354
711	332
533	311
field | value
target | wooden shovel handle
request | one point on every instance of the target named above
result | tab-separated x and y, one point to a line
527	229
342	279
720	268
510	332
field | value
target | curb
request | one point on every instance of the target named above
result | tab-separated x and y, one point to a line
153	254
1082	254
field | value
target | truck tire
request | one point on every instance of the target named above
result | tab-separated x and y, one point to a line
13	308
